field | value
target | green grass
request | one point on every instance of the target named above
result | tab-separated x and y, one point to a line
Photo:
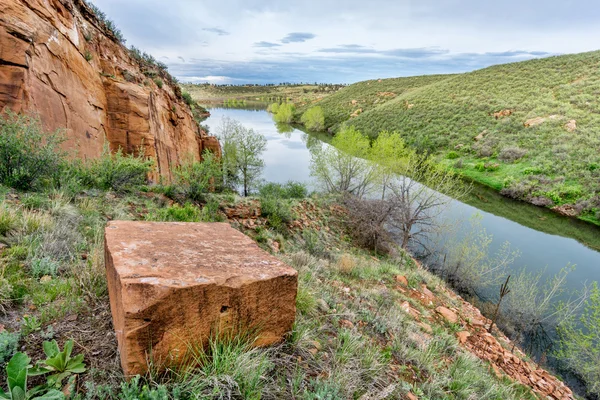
443	114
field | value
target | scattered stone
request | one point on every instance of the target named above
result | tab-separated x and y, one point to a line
323	306
316	344
448	314
175	283
401	279
540	120
571	126
502	114
462	336
344	323
354	102
459	146
45	279
411	396
426	327
405	306
566	209
313	351
480	136
427	293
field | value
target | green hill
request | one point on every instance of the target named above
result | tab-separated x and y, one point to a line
555	161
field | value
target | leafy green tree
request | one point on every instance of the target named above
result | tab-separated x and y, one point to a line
580	343
314	119
284	113
242	150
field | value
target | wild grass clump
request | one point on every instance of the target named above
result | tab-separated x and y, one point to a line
196	179
29	157
116	171
289	190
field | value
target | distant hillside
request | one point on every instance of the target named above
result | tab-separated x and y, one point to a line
259	93
530	130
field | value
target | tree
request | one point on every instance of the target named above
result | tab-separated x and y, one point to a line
580	343
314	119
344	167
242	149
420	192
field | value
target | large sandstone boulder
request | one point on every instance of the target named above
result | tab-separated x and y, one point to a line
173	285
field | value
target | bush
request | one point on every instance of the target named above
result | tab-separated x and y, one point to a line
8	345
43	266
187	98
277	211
289	190
177	213
196	179
314	119
159	82
452	155
511	154
28	155
118	172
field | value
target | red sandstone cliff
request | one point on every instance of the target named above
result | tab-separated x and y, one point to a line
58	60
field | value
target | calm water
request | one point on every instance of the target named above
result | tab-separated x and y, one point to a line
288	158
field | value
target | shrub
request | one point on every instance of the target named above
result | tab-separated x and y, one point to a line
118	172
452	155
159	82
511	154
195	179
187	98
43	266
289	190
210	212
28	155
8	345
314	119
88	56
177	213
277	211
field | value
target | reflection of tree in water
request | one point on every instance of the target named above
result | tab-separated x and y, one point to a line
286	129
312	142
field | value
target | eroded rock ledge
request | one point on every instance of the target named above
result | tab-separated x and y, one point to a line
58	61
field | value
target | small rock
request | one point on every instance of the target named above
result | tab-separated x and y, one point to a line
462	336
313	351
448	315
411	396
405	306
571	126
316	344
426	327
323	306
401	279
346	324
45	279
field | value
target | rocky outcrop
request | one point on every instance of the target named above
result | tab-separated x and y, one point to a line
173	285
59	61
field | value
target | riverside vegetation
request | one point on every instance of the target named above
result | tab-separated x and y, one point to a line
526	129
358	331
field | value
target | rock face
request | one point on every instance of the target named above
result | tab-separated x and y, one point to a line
57	60
175	284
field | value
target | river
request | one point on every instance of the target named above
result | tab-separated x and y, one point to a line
545	240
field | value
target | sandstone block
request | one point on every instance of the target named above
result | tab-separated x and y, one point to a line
176	284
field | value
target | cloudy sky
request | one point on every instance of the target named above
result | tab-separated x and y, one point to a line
260	41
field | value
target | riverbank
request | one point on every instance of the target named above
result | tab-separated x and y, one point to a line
522	129
365	325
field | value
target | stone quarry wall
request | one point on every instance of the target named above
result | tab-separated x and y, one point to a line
58	61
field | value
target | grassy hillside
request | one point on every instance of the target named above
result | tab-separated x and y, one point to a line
553	162
364	96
